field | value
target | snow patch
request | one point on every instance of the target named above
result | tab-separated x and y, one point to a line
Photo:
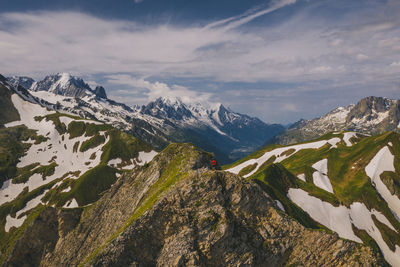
361	218
347	136
383	161
17	222
320	177
66	189
302	177
280	206
145	157
114	162
339	219
333	142
335	218
278	151
71	204
14	222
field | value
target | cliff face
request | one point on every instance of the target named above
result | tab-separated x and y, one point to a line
177	212
216	219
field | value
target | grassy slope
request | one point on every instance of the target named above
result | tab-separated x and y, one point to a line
346	170
123	146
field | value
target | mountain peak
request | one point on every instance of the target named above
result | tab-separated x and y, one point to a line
23	81
371	108
99	91
64	84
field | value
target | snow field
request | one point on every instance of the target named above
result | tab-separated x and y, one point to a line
145	157
320	177
383	161
302	177
277	152
55	149
340	219
347	136
17	222
280	205
71	204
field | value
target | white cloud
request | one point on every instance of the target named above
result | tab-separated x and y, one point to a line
158	89
322	53
298	49
362	57
237	21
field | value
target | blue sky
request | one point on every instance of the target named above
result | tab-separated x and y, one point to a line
279	60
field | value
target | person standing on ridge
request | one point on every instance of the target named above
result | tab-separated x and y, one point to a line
214	164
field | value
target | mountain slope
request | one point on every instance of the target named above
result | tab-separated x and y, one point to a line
347	182
55	159
176	212
371	115
228	134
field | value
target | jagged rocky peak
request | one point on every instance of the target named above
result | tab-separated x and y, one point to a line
99	91
162	107
23	81
178	109
370	106
64	84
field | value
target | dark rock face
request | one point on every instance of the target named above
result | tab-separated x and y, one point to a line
39	239
369	107
67	220
228	222
100	92
23	81
63	84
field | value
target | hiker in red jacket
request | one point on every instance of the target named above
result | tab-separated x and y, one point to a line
213	164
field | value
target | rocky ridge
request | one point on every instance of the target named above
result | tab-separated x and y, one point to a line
177	212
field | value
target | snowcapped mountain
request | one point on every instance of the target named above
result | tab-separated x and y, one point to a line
371	115
346	182
57	159
216	125
228	134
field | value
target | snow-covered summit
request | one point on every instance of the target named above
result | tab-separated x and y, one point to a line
63	84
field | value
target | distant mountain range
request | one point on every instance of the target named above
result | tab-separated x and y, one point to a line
371	115
228	134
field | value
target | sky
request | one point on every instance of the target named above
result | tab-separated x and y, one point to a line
279	60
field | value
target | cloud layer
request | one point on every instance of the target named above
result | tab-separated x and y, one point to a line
358	48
